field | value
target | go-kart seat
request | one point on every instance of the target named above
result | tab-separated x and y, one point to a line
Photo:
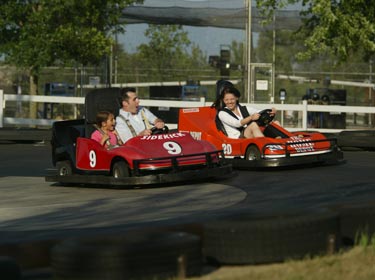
104	99
74	133
220	126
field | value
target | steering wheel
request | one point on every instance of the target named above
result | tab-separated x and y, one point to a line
155	130
265	117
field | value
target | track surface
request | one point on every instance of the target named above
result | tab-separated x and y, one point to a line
31	209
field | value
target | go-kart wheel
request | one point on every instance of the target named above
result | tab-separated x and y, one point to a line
155	130
120	170
252	153
265	117
64	168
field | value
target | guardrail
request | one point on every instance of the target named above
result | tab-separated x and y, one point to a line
303	109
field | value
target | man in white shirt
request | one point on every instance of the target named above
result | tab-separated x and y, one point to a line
134	120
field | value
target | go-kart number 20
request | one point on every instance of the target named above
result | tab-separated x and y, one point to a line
227	149
172	148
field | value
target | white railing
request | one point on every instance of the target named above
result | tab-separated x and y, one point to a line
303	109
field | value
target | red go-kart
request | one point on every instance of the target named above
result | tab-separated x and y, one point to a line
278	148
143	160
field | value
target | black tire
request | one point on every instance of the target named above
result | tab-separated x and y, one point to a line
64	168
252	153
140	256
356	219
248	239
9	269
120	169
362	139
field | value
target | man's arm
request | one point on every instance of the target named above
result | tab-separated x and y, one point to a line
158	123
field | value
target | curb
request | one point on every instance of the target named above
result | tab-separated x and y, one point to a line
25	134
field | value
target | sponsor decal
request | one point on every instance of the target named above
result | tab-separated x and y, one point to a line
196	135
301	145
163	136
190	110
275	147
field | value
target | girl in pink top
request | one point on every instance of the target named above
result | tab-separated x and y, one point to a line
105	132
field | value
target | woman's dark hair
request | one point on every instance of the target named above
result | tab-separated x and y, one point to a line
102	116
219	103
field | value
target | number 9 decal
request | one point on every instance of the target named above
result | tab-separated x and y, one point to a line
92	158
172	147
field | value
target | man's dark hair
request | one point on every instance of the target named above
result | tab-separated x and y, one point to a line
124	93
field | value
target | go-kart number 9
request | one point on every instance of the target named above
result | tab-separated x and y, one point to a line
172	147
92	158
227	149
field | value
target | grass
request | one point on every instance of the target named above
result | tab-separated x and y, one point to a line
354	264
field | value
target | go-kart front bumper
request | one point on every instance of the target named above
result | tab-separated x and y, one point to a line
106	181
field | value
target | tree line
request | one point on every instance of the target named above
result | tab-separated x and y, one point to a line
80	34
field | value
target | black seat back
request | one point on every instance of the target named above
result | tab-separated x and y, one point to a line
103	99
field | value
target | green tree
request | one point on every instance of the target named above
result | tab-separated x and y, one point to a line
40	33
167	49
335	26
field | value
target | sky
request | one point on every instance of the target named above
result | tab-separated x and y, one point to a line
208	39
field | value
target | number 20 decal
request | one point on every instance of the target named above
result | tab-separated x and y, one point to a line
227	149
172	147
92	158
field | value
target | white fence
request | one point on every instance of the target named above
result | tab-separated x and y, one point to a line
302	110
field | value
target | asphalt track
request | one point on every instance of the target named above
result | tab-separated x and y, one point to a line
32	209
28	203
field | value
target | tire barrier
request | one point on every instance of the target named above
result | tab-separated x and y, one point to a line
356	220
250	239
9	269
158	255
356	140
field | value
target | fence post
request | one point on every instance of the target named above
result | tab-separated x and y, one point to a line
2	106
202	100
304	115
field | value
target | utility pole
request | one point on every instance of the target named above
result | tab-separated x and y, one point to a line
250	95
371	119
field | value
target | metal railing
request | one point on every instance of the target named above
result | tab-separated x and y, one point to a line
303	110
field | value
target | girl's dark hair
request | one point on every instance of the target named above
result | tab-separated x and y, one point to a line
102	116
